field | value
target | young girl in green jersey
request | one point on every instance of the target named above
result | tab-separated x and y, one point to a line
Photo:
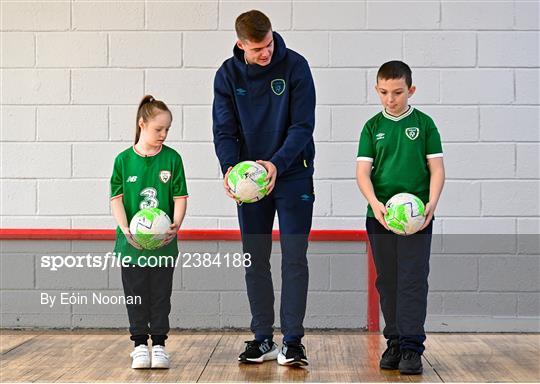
148	175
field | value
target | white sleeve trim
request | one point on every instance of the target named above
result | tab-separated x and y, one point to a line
361	158
434	155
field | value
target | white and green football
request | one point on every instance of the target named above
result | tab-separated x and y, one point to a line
247	181
149	226
404	214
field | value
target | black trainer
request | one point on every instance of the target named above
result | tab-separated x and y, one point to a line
292	354
391	357
411	363
259	351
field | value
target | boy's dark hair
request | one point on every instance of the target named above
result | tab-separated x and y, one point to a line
253	26
395	70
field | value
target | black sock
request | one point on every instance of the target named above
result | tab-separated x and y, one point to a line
139	339
159	339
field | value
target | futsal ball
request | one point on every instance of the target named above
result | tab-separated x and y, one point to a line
405	214
247	181
149	226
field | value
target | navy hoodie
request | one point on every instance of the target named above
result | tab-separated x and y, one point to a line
265	113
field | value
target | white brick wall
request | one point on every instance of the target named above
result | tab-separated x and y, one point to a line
109	86
403	15
109	15
439	49
182	86
527	86
198	123
508	49
73	72
526	14
36	16
22	117
477	15
477	86
217	45
329	15
313	45
139	49
35	86
185	15
71	50
36	160
18	197
72	123
17	49
351	84
383	46
279	12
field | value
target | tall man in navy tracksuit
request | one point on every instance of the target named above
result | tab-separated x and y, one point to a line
264	110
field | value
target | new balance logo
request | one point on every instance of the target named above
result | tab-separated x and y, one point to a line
131	179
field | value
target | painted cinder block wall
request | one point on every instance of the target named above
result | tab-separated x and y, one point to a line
74	71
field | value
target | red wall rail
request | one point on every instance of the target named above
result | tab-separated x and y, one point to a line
213	235
184	234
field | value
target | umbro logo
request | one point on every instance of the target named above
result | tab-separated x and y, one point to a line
379	136
131	179
241	92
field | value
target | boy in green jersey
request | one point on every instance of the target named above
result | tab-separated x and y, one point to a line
400	151
148	175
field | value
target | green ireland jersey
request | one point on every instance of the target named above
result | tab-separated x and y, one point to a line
147	182
398	148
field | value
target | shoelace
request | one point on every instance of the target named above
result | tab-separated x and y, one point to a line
391	351
252	345
296	350
407	355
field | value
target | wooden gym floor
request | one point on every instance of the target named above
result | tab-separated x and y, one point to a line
103	356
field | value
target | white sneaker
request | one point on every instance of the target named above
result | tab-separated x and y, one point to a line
160	358
140	357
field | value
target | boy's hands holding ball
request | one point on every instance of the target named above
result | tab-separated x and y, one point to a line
379	210
429	210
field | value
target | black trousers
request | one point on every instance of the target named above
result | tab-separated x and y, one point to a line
292	199
402	264
151	316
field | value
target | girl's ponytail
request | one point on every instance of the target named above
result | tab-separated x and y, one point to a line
147	109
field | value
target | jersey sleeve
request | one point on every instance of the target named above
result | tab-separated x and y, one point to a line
117	188
179	179
365	146
433	141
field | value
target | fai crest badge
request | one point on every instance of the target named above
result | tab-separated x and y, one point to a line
164	176
412	133
278	86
